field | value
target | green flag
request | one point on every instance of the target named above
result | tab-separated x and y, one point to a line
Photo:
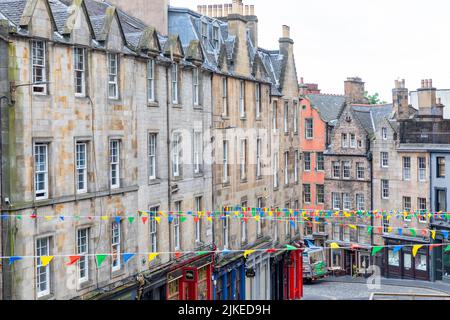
369	230
131	219
413	232
100	259
447	249
290	248
183	219
201	253
375	250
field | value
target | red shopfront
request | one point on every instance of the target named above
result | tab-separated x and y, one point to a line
191	280
294	275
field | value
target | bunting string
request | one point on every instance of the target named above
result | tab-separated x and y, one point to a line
100	258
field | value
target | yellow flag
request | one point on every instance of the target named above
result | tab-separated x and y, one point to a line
248	252
48	218
334	245
433	234
270	213
236	213
45	260
351	226
158	220
152	256
390	229
257	218
416	249
388	218
105	218
209	219
347	215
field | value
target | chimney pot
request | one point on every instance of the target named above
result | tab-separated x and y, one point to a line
430	82
220	10
199	9
252	10
286	31
247	10
214	11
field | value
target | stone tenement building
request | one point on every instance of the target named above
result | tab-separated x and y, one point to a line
95	96
348	176
106	116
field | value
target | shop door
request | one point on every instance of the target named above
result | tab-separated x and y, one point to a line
438	262
408	268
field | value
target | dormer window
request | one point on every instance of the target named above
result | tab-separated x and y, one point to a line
216	37
384	133
204	31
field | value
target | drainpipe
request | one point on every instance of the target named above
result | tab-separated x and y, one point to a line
2	225
213	198
432	256
371	197
169	180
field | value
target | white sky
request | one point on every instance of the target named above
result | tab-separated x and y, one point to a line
377	40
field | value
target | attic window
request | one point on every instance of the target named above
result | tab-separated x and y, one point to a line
348	118
215	37
204	31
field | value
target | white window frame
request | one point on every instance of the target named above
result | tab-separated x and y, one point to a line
307	161
336	168
226	232
309	128
42	249
422	209
336	201
176	227
39	63
114	163
80	70
286	117
258	157
384	159
225	173
307	196
360	171
116	246
258	100
153	229
344	139
174	76
151	96
346	201
215	37
296	176
286	168
196	86
352	141
422	175
407	207
113	75
41	194
406	169
346	168
225	96
275	116
242	112
198	223
275	170
83	251
385	189
198	149
320	201
152	155
322	162
176	154
243	231
243	159
295	104
360	202
384	133
81	169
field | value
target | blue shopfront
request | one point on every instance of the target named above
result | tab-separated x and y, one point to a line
229	280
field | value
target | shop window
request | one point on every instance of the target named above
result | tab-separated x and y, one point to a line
394	258
407	261
174	290
203	283
336	258
446	262
421	262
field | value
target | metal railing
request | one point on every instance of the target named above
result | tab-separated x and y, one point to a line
407	296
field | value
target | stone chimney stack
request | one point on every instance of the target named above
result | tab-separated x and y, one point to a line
400	99
427	99
354	91
154	13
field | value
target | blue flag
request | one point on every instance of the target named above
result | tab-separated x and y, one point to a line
397	249
14	259
400	231
117	220
127	257
445	234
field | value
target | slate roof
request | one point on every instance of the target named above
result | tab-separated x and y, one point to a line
13	9
329	106
371	116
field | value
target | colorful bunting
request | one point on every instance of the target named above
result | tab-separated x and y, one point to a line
45	260
248	252
416	248
100	258
375	250
128	256
14	259
397	249
73	259
152	256
334	245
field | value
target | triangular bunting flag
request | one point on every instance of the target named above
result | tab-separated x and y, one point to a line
375	250
73	259
11	260
131	219
45	260
334	245
433	234
144	220
248	252
127	257
413	232
117	220
351	226
416	248
397	249
100	258
447	249
290	248
369	230
158	220
152	256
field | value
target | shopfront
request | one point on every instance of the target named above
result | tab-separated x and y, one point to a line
155	287
229	280
440	257
294	265
279	280
258	277
399	262
191	280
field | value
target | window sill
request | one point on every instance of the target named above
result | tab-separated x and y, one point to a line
153	104
198	108
81	97
259	178
85	285
258	119
49	296
199	175
153	182
226	184
179	178
177	106
243	118
244	181
225	117
117	273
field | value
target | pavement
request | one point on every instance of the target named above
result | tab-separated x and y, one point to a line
348	288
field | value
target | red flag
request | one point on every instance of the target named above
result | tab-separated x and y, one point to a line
424	232
435	246
196	219
33	216
380	230
177	255
144	220
73	259
271	250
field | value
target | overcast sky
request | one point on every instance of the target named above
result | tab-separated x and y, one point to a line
379	41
